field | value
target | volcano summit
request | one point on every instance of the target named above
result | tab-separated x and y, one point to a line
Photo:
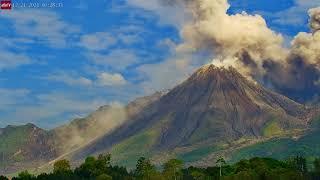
214	105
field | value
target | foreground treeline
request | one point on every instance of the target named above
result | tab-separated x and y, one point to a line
100	168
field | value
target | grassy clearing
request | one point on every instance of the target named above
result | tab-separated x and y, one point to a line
272	129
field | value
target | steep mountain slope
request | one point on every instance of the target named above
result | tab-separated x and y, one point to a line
214	105
307	145
216	109
81	131
28	144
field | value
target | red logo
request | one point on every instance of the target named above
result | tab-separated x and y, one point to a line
6	4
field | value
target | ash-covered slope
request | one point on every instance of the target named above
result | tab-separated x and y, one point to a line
213	105
82	130
27	146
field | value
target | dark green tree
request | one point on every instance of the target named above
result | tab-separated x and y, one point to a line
93	167
87	169
104	177
144	169
173	169
221	162
302	164
104	161
316	165
61	166
197	175
298	163
25	175
3	178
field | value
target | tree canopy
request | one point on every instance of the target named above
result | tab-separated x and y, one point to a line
101	168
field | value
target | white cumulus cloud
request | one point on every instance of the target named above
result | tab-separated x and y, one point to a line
108	79
98	41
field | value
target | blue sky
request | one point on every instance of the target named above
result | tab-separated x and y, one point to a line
60	63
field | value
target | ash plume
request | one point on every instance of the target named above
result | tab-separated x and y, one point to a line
81	131
315	19
245	42
301	71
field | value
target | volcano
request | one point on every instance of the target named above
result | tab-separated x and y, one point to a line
214	105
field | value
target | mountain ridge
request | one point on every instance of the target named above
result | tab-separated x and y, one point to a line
214	106
214	103
63	139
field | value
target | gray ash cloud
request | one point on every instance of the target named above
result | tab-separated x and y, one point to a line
245	42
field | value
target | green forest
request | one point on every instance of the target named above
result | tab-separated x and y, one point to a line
101	168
